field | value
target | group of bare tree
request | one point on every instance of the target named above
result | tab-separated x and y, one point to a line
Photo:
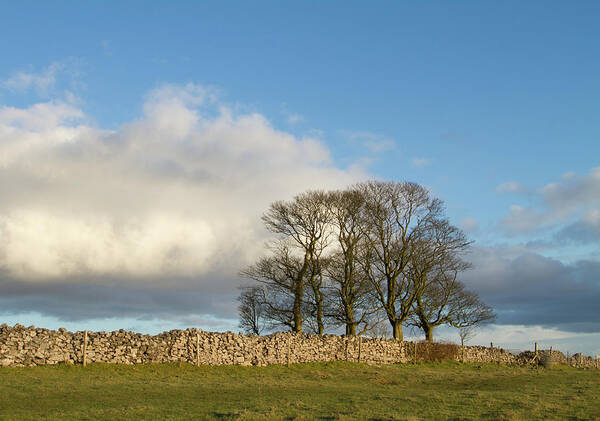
375	251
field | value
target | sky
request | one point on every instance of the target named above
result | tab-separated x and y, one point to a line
141	141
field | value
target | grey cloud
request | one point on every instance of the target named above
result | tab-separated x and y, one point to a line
573	192
584	231
522	220
98	298
530	289
557	202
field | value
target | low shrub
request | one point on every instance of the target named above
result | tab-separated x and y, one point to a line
436	351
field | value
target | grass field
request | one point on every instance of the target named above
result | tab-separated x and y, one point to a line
325	391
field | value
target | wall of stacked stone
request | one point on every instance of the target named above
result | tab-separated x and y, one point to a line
29	346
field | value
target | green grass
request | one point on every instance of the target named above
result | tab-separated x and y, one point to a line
325	391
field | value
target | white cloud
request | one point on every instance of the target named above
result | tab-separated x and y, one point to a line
511	187
106	48
177	192
294	118
291	117
379	146
469	224
522	220
568	175
373	142
44	244
27	131
420	162
45	82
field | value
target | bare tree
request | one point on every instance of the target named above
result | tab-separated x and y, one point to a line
351	298
434	267
316	301
395	217
252	309
377	326
471	311
446	301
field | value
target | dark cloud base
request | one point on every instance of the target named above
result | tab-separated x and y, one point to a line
82	301
524	289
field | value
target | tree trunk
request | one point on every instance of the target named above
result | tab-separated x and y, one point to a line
397	329
350	324
297	310
428	333
320	323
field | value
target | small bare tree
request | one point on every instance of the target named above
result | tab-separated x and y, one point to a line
378	328
282	277
301	226
252	309
467	333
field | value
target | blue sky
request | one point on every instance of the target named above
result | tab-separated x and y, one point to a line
492	105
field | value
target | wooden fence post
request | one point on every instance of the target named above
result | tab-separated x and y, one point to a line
85	343
346	338
197	349
415	351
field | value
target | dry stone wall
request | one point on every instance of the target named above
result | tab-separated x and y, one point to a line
29	346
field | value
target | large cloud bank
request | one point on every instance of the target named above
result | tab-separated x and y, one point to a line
156	217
